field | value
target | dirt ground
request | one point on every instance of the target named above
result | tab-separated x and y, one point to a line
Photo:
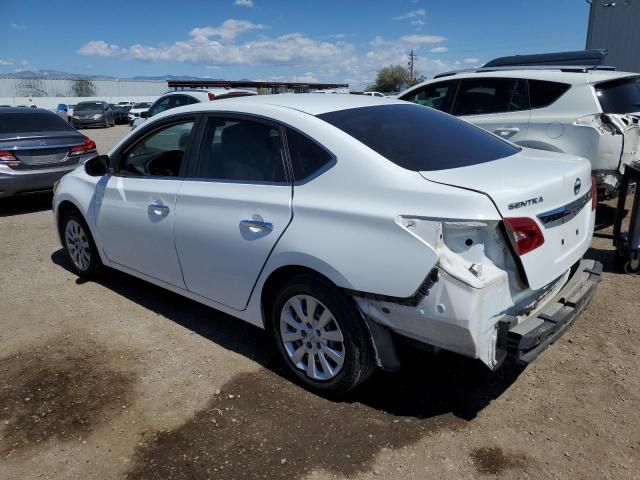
120	379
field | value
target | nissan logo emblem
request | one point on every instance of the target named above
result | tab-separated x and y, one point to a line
576	186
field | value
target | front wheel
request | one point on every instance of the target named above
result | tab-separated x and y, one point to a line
321	335
81	249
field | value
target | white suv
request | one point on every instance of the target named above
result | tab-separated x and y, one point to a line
340	221
586	112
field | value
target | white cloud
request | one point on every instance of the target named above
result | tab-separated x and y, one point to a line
17	26
418	22
228	30
420	12
439	50
420	39
5	62
244	3
305	77
471	61
99	48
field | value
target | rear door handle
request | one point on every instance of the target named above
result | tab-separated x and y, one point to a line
159	210
257	224
504	131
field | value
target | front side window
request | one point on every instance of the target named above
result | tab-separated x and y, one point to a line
419	139
159	153
480	96
436	95
161	105
240	150
307	157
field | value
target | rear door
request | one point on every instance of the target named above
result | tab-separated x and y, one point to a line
499	105
232	208
136	207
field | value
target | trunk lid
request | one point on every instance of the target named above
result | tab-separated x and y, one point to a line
552	189
42	149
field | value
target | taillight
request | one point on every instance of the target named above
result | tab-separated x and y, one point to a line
594	193
87	147
8	158
211	96
524	233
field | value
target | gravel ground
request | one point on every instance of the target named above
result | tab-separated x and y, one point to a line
120	379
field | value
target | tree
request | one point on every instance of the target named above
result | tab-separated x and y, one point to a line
392	78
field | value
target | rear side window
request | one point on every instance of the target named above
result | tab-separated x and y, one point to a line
543	93
307	157
420	139
437	95
490	95
619	96
242	151
29	122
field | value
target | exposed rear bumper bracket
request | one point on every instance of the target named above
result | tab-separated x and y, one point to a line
524	342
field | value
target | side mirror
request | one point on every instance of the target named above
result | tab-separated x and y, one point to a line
145	114
97	166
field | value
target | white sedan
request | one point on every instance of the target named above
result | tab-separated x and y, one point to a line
340	223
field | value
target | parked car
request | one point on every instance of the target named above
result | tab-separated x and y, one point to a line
581	111
126	104
95	113
408	222
65	111
180	98
375	94
37	147
120	114
137	109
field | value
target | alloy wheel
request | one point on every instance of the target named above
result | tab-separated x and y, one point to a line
312	337
77	245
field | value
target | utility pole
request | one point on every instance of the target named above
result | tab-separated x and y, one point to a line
412	58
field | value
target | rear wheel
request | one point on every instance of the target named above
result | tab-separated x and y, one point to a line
632	266
81	249
321	336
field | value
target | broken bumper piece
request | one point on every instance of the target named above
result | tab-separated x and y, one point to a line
525	341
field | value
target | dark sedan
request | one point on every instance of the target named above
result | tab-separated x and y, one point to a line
92	114
120	114
37	148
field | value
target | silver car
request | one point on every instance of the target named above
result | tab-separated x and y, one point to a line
37	148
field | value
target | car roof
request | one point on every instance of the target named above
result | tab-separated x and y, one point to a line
571	75
25	109
311	103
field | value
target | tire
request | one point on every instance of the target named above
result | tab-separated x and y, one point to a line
632	267
79	245
106	123
342	321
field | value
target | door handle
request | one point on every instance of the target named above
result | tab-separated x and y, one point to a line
159	210
257	224
504	131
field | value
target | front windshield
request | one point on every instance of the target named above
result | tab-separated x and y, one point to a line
88	107
142	105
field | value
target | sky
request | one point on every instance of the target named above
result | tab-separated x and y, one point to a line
305	40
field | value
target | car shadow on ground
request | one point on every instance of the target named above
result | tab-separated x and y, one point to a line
428	385
606	216
23	204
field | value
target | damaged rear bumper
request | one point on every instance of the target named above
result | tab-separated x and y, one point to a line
525	341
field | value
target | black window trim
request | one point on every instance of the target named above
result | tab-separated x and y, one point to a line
197	144
115	159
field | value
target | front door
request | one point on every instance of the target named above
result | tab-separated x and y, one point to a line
232	208
135	211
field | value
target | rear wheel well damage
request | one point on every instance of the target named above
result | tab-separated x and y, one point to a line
381	336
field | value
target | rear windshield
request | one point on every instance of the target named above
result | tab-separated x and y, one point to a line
89	106
29	122
619	96
420	138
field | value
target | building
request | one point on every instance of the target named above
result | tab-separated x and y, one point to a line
615	25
